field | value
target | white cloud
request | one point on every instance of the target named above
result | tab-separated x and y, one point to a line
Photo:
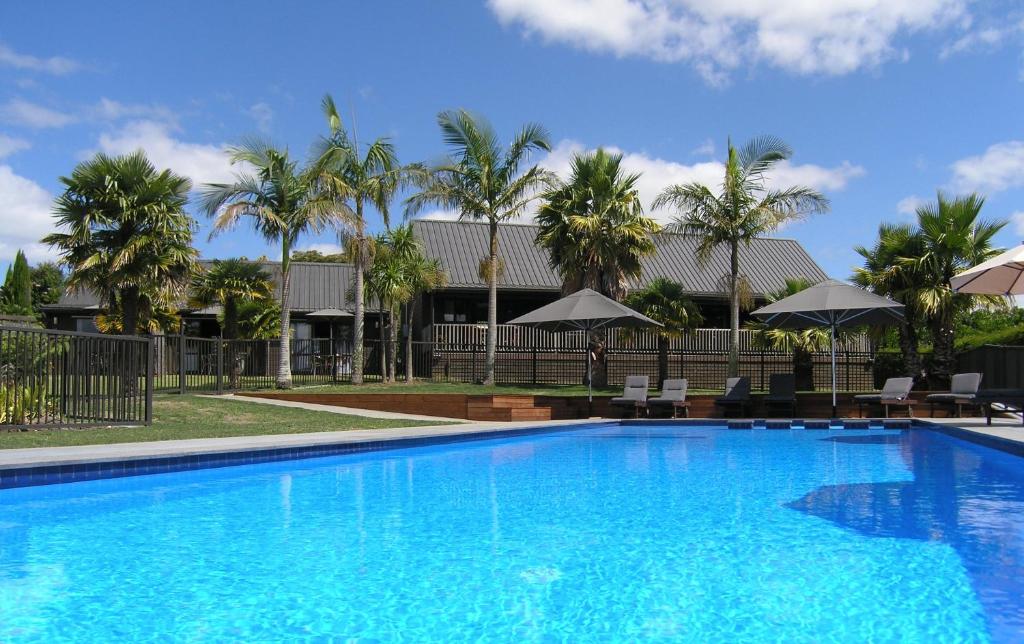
21	112
705	149
110	110
57	65
1017	219
201	162
988	37
9	145
439	215
718	36
25	217
909	205
999	168
263	115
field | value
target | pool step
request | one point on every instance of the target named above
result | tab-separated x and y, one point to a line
506	409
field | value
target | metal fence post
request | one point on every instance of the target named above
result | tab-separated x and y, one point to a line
473	374
181	363
220	364
149	380
534	379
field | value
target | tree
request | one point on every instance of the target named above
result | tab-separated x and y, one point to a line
259	319
125	236
665	301
742	209
952	238
317	256
366	178
481	180
884	274
16	294
230	282
386	281
157	313
283	201
596	234
47	284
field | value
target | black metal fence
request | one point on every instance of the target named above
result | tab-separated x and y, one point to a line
61	378
1002	366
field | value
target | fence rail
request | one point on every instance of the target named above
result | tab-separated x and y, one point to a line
63	378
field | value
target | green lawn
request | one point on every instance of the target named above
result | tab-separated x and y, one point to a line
424	387
188	416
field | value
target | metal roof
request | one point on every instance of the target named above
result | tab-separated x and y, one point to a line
459	247
314	286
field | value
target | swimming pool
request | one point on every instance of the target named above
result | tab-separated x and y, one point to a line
607	532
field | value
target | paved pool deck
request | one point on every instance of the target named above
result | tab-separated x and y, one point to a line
1006	429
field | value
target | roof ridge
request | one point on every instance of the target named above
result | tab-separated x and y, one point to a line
521	224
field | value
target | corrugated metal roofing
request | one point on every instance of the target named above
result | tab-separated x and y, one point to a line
314	286
459	247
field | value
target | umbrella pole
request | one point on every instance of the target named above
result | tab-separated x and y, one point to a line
833	328
590	380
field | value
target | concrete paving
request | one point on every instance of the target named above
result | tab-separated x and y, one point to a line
334	409
1008	428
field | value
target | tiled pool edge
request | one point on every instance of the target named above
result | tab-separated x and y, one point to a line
35	475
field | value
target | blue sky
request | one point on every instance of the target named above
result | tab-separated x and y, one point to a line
883	102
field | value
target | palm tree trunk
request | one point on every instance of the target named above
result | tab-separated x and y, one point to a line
358	318
284	362
943	356
908	347
383	342
492	305
734	310
662	359
230	332
130	310
393	344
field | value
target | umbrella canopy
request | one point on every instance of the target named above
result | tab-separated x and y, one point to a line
1001	275
833	304
584	310
830	303
329	313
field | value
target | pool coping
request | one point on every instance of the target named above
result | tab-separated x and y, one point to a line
52	465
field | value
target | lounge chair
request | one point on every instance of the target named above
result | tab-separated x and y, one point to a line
895	393
995	401
737	395
781	393
963	389
634	395
673	398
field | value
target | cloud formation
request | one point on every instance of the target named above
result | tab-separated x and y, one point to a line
56	65
1000	167
9	145
25	217
18	111
718	36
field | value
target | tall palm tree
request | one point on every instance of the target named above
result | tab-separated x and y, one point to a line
884	274
742	209
482	181
953	238
595	232
386	281
666	301
125	233
283	201
369	177
230	282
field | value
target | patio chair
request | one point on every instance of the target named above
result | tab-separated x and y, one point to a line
895	393
963	390
736	396
781	393
634	395
672	398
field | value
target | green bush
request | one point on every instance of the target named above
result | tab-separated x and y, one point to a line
23	405
1011	335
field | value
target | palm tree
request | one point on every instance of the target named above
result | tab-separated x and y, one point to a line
802	343
230	282
386	282
665	301
953	238
125	233
283	201
882	273
595	231
371	177
482	181
743	208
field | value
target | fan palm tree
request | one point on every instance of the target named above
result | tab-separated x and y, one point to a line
482	181
125	234
665	301
283	201
883	273
230	282
953	238
595	232
742	209
366	178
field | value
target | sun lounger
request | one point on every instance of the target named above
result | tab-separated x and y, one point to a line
634	395
673	398
962	391
1000	400
781	393
895	393
737	396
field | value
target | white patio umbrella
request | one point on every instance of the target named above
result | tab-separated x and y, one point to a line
1001	275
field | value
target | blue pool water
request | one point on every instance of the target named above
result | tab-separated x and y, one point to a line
606	533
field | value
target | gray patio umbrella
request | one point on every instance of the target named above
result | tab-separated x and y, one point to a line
585	310
833	304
